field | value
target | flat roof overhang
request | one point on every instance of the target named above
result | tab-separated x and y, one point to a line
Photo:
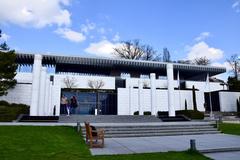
62	62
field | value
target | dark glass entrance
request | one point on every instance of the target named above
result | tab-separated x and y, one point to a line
103	100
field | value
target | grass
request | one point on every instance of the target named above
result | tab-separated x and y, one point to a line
64	143
230	128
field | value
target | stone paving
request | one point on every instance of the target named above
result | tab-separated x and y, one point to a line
224	155
108	118
166	143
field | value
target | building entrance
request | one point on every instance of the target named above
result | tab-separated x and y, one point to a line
105	101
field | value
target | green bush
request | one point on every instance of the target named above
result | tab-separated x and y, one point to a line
4	103
136	113
191	114
10	112
147	113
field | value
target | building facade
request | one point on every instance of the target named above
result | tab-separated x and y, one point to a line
110	86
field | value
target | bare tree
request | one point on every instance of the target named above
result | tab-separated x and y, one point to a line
129	50
166	55
149	53
202	61
70	82
95	84
234	62
133	49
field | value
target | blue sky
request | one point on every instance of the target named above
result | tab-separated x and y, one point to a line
188	28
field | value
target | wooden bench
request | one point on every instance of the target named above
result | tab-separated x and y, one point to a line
93	136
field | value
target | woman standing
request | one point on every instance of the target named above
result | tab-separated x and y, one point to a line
74	104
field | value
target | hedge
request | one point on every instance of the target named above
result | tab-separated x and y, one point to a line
10	112
147	113
191	114
188	113
136	113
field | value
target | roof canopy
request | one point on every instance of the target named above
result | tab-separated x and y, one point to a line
63	63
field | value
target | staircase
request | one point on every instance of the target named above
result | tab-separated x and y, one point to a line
155	129
108	119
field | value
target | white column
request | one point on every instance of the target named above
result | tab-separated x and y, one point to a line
36	74
57	97
46	102
170	80
140	98
153	93
42	92
50	107
130	99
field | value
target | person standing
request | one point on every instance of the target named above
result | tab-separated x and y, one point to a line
74	104
63	105
68	107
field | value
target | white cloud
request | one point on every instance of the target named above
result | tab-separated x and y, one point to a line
116	37
4	37
225	75
236	6
36	14
85	28
201	49
103	48
70	34
202	36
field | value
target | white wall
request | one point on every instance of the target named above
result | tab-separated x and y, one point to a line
159	82
214	86
24	77
20	94
228	100
162	100
82	81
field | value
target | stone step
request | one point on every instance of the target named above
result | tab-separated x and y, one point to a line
153	132
107	119
154	129
158	134
158	131
122	128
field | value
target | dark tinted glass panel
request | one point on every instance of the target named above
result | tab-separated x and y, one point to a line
87	102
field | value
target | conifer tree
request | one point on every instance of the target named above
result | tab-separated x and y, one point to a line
8	68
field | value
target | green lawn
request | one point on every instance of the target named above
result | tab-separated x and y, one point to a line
63	143
230	128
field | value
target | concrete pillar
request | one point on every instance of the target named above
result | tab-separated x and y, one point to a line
57	96
50	107
130	99
153	93
42	92
46	102
170	80
36	74
140	98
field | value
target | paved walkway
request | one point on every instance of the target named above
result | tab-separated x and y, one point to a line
100	124
224	155
204	143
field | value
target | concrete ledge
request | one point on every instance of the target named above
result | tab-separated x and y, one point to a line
216	150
